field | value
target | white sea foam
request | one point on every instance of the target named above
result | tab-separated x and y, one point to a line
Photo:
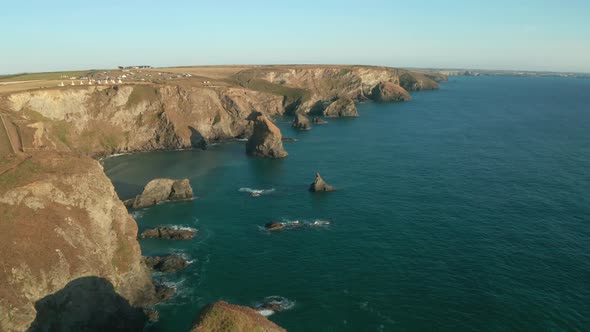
266	312
256	192
182	228
272	304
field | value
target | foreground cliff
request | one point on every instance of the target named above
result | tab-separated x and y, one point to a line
224	317
61	221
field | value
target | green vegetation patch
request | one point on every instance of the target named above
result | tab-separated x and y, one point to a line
142	93
250	79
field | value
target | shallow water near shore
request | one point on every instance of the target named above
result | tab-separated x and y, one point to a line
465	209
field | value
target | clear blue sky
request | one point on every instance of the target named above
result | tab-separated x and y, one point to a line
58	35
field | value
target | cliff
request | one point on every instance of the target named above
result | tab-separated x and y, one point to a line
64	233
61	220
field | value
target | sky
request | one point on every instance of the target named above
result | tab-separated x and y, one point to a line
514	35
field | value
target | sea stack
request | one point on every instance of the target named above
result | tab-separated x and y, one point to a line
388	91
320	185
341	107
301	122
161	190
266	140
222	316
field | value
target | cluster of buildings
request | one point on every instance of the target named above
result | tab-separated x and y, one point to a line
89	81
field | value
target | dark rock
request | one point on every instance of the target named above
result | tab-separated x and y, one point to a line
341	107
161	190
153	315
301	122
388	91
318	120
166	264
320	185
274	226
164	293
266	139
168	233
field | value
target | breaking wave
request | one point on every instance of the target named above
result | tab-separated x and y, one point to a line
273	304
256	192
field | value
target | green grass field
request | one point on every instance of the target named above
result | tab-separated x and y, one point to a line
43	76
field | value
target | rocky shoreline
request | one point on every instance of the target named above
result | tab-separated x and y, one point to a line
73	235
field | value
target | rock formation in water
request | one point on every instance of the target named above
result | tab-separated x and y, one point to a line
222	316
166	263
168	233
320	185
266	139
341	107
274	226
318	120
301	122
388	92
161	190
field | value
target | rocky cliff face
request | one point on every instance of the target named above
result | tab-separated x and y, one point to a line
61	220
312	88
103	120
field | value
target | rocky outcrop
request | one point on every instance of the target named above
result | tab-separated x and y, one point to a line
274	226
301	122
388	92
320	185
61	220
266	139
161	190
319	121
165	264
164	293
222	316
341	107
169	233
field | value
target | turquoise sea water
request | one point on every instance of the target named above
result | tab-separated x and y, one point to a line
466	209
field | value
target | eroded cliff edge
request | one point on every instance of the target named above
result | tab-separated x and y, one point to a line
60	218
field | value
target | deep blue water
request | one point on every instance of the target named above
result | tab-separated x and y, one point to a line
466	209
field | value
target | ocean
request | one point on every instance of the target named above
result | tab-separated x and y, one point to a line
466	209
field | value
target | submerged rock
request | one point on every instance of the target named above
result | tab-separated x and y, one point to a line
166	264
341	107
288	139
169	233
388	91
164	293
301	122
161	190
266	139
274	226
222	316
320	185
318	120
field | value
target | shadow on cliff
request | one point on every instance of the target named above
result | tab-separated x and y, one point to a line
197	139
87	304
